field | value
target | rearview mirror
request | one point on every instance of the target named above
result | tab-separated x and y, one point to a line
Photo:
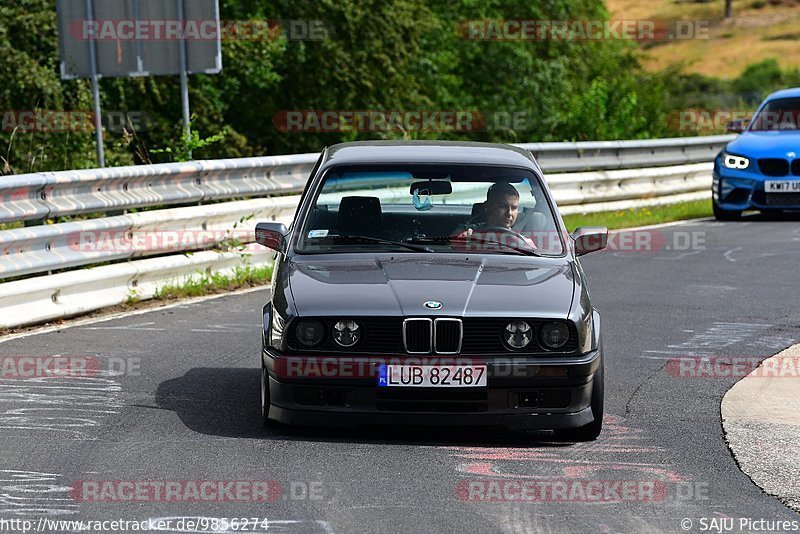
737	126
590	239
271	235
431	187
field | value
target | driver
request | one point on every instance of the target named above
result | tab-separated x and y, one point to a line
502	205
501	211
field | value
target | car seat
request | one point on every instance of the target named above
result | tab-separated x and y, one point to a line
360	216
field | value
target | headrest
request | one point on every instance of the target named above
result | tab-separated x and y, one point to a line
360	216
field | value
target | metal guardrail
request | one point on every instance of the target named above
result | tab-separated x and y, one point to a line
607	155
47	195
71	293
40	196
40	249
584	177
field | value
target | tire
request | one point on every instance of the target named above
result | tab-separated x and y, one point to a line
726	215
265	399
591	431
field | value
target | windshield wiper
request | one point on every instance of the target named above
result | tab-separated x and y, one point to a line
451	239
367	239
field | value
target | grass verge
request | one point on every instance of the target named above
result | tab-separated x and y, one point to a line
213	283
629	218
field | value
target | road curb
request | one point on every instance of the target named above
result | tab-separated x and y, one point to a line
761	422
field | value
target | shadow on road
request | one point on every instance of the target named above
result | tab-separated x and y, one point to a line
757	216
226	402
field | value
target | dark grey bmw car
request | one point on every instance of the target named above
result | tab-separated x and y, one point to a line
431	283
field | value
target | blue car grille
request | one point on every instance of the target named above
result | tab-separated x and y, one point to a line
776	199
773	166
783	199
796	167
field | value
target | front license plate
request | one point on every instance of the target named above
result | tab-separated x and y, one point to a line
782	186
432	376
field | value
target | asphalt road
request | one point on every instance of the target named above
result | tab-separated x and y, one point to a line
184	407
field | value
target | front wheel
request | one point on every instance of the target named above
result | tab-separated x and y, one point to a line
592	430
726	215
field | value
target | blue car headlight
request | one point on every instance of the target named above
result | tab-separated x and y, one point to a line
731	161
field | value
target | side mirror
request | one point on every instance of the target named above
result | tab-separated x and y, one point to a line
737	126
271	235
590	239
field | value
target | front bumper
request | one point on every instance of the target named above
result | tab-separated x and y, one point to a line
744	190
521	393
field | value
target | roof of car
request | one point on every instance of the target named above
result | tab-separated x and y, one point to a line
429	152
785	93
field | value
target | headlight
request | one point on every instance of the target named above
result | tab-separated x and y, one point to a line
310	332
553	336
346	333
518	335
735	162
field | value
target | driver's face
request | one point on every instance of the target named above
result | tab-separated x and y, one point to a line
502	211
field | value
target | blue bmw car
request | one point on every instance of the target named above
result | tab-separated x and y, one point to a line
760	169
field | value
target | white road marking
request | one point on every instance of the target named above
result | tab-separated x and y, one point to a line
731	251
141	326
679	256
272	525
229	327
30	493
718	335
74	406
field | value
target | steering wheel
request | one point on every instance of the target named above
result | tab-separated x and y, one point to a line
483	229
528	243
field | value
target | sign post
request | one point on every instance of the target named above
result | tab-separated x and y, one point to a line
114	51
98	118
184	78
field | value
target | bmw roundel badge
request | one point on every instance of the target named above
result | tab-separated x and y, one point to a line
433	305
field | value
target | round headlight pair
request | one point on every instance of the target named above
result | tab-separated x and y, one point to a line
311	333
519	334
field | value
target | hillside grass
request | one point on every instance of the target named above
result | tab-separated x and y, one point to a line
758	30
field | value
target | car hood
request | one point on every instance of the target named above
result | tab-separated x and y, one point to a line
400	286
765	144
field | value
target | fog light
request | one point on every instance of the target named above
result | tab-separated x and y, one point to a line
310	332
554	336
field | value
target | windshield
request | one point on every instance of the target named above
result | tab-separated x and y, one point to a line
431	209
782	114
